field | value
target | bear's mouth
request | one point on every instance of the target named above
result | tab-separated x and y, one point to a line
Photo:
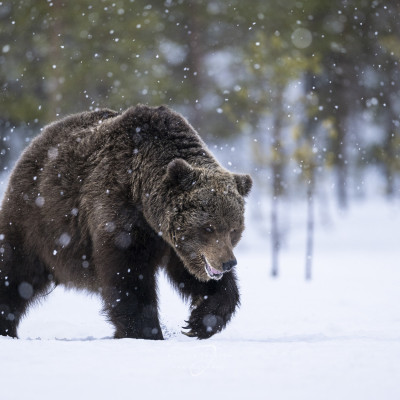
212	272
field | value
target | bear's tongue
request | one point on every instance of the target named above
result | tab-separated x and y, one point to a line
212	271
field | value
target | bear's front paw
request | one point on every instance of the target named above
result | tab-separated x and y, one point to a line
207	318
205	327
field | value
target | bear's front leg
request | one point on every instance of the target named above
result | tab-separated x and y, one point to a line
212	311
130	303
212	303
126	270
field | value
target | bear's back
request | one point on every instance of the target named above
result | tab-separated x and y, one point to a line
51	154
44	147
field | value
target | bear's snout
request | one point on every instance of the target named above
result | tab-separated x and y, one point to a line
227	266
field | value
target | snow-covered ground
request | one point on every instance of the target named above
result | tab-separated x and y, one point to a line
336	337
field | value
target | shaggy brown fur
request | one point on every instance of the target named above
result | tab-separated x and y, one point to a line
100	201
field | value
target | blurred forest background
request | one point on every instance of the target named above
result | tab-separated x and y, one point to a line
292	91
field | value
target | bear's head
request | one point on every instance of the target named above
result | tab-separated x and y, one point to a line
205	213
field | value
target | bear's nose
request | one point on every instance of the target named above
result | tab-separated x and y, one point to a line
227	266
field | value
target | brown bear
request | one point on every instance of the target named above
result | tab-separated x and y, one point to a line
101	200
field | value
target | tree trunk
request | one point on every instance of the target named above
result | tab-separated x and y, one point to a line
277	176
310	228
195	71
275	237
389	152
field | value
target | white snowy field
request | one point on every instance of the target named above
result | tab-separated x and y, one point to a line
336	337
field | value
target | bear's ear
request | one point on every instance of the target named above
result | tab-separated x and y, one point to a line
243	183
180	174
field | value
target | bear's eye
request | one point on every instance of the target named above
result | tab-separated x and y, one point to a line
209	229
235	235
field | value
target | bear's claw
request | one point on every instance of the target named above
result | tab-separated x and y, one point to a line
189	334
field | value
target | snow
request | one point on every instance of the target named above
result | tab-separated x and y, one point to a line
336	337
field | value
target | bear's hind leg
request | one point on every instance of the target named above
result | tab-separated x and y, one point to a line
12	307
21	281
